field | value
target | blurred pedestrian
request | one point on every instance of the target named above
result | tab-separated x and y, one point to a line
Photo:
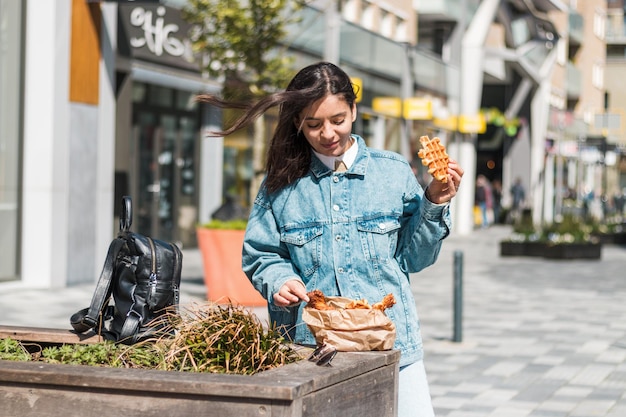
483	199
619	201
518	195
496	189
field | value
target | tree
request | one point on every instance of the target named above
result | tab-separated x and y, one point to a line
239	42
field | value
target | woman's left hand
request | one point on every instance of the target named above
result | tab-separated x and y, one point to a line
441	192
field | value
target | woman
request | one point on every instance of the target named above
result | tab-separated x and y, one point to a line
357	231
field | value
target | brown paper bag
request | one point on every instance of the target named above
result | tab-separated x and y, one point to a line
351	330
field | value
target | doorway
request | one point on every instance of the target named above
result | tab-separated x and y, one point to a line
163	177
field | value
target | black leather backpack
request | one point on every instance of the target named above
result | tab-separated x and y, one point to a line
143	276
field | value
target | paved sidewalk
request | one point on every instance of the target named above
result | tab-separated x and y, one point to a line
540	338
52	308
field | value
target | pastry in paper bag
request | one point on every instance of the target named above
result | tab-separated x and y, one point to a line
349	325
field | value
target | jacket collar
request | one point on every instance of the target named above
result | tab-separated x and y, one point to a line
358	168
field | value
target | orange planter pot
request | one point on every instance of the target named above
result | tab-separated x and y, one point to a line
223	276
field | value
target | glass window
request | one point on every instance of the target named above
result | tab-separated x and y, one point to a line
160	96
139	92
185	100
10	135
166	147
599	24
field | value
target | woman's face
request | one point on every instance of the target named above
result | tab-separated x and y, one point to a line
327	124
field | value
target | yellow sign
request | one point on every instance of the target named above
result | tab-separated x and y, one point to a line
416	108
357	85
472	124
389	106
448	123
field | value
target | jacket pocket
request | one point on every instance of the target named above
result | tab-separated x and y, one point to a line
379	237
305	247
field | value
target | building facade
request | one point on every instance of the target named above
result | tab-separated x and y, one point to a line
616	90
98	102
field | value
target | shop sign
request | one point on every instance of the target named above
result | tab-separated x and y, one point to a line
447	123
472	124
157	33
388	106
416	108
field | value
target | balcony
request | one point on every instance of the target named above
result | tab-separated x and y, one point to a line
576	35
574	82
615	29
365	50
444	10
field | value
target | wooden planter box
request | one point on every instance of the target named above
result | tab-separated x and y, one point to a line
537	249
574	251
357	384
612	238
544	250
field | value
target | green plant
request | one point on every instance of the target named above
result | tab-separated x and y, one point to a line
13	350
209	338
237	224
571	229
226	339
240	41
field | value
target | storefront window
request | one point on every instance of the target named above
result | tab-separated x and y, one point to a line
238	170
10	135
164	179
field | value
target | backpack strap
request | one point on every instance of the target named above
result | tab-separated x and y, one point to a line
130	330
126	216
89	318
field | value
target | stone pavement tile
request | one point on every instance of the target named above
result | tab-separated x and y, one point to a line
606	393
470	388
595	346
617	411
513	409
505	368
494	397
617	377
464	414
558	407
592	375
451	402
613	356
550	360
537	392
545	413
592	408
573	392
563	372
520	381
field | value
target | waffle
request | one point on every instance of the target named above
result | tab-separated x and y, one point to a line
435	157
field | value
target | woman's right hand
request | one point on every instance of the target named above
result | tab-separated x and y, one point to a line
291	293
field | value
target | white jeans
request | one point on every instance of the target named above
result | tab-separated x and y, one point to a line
413	393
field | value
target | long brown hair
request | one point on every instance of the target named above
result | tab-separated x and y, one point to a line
289	153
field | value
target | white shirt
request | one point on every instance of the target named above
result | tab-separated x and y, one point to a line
348	156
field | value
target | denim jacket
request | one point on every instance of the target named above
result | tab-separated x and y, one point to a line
355	234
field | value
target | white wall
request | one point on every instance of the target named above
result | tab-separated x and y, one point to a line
46	144
68	169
